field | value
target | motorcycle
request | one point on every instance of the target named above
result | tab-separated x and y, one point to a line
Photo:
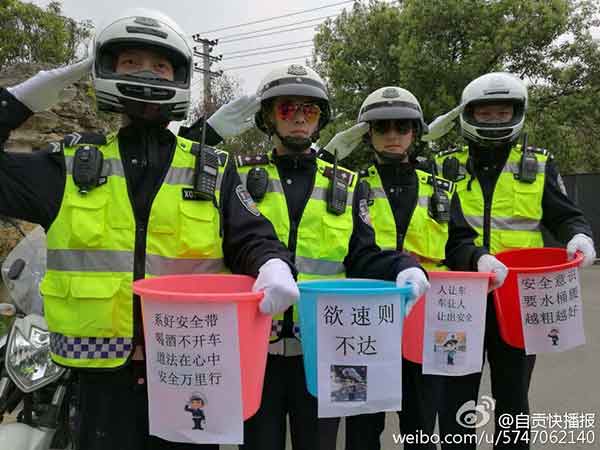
29	379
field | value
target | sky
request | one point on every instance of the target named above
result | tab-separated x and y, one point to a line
197	16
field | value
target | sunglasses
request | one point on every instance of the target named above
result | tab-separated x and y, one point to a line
383	126
287	111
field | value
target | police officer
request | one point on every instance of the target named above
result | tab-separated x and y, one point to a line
117	208
508	192
411	210
323	221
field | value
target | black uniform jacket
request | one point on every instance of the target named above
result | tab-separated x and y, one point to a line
32	186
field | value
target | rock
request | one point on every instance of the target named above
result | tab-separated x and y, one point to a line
75	112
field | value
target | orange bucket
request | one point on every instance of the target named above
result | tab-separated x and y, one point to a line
253	327
506	297
414	323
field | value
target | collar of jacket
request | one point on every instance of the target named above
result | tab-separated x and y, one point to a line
397	172
489	157
134	130
295	161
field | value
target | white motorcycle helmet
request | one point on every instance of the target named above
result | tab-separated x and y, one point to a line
493	88
128	93
390	103
292	79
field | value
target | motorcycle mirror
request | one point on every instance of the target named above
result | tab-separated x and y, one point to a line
8	313
27	357
15	269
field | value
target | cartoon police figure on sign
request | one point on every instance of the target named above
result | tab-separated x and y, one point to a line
450	347
554	335
195	406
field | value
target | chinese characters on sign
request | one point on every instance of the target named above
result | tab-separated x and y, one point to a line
454	325
359	354
192	358
551	311
188	359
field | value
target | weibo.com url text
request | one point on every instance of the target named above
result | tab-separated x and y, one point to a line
567	437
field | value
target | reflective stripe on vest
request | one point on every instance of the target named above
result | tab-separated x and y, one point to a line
88	300
516	206
323	238
425	237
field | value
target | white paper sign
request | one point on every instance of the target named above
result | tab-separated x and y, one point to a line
359	354
193	364
454	326
551	311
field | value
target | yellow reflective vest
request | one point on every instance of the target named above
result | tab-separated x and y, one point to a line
87	292
425	237
322	239
516	209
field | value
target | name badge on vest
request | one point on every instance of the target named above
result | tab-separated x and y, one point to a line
190	194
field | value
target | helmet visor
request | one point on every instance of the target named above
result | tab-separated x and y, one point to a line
143	62
494	114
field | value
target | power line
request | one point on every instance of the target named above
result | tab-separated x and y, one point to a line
276	17
268	34
277	27
268	46
267	62
268	51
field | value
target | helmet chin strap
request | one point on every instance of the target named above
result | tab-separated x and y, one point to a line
391	157
492	145
138	114
296	144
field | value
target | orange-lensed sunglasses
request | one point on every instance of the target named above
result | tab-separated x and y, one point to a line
288	110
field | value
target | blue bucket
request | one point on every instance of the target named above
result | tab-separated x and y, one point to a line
310	290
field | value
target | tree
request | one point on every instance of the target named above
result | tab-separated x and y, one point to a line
30	34
434	48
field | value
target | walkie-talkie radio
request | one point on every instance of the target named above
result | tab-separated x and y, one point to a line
439	203
87	168
528	166
338	192
207	169
257	183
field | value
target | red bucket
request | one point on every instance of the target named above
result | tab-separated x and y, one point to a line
506	297
414	323
253	326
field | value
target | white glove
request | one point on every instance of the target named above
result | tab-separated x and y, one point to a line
281	291
235	117
584	244
346	141
417	280
442	124
489	263
41	91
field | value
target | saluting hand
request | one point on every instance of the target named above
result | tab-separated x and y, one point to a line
41	91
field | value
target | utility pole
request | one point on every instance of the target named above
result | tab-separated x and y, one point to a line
207	61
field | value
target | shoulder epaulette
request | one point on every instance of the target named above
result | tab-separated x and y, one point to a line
449	151
325	156
344	174
363	173
84	138
446	185
257	160
53	147
539	151
223	155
